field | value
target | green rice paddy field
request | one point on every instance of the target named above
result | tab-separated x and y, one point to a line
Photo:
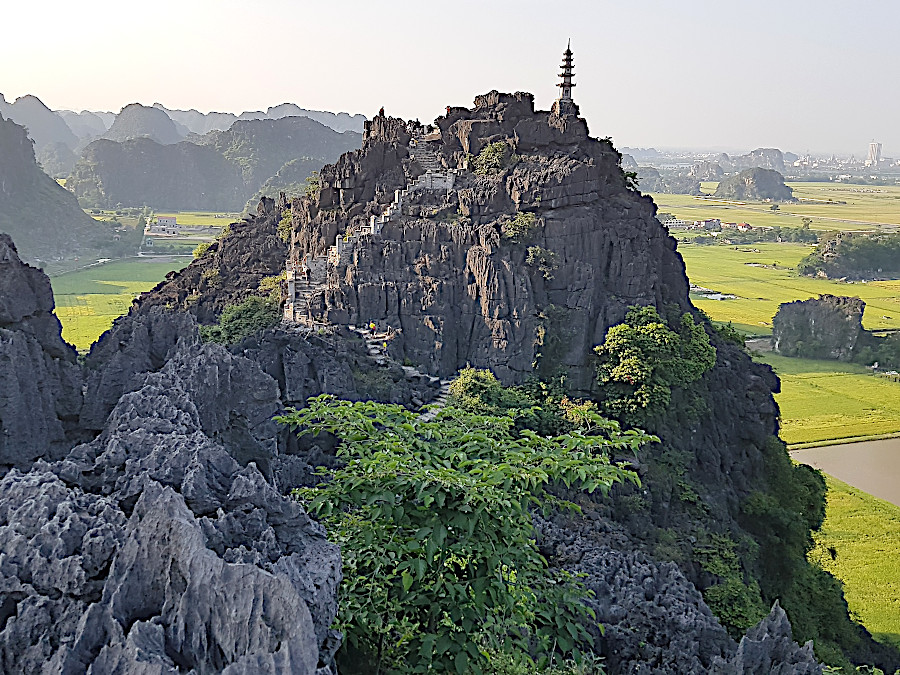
87	301
863	531
865	207
762	276
828	400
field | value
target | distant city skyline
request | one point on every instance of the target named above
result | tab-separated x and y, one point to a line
796	75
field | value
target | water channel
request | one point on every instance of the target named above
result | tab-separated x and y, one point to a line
871	466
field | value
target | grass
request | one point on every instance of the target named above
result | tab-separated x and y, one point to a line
867	207
87	301
201	218
863	531
763	276
828	400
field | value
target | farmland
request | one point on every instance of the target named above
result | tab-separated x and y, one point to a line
87	301
864	207
762	276
863	531
829	400
201	218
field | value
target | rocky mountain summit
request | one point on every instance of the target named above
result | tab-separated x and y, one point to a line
446	271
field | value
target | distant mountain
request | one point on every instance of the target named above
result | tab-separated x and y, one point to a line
85	124
763	158
202	123
44	219
139	121
57	160
218	171
339	122
650	180
262	147
197	122
43	125
755	184
141	171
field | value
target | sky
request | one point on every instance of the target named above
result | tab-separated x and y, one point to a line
800	75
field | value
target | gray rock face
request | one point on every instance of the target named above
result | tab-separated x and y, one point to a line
40	381
829	327
133	346
769	649
152	548
445	274
655	620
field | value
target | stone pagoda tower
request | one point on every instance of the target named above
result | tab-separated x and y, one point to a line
564	105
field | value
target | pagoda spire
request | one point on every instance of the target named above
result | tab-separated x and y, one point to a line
564	105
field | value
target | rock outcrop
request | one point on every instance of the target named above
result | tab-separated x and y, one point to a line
161	545
827	327
40	396
447	275
756	185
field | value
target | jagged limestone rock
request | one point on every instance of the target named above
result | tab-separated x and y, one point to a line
40	381
827	327
152	546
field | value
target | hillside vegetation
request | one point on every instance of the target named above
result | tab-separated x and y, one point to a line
219	171
854	256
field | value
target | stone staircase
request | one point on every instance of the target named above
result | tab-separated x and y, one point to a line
300	291
375	346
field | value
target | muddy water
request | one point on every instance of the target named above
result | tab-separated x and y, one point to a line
872	466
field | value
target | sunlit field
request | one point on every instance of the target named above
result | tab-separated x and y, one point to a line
89	300
866	207
863	532
762	277
829	400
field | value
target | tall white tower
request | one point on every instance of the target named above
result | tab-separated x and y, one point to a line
874	155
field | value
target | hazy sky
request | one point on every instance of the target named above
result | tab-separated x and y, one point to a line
801	75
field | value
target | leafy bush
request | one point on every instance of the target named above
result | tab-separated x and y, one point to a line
520	228
313	184
546	261
642	359
201	248
493	158
242	320
441	569
271	284
285	227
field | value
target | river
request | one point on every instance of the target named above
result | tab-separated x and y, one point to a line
871	466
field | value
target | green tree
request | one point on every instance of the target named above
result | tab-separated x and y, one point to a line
433	519
642	359
313	184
